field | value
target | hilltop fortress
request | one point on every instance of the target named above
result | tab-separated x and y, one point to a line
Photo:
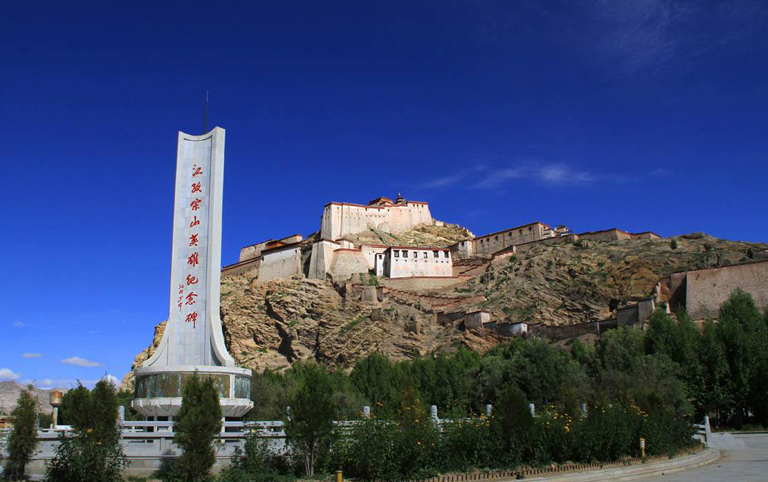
342	219
366	239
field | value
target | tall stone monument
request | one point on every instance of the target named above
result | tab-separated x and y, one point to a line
193	340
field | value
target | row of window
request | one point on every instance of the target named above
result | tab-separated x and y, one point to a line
496	237
435	254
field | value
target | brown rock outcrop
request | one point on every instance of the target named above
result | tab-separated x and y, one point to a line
271	325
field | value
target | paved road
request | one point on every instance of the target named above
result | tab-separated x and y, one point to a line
747	464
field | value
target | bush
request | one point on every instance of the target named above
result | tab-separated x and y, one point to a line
403	448
78	459
512	427
608	432
197	425
93	452
256	463
553	436
22	441
467	444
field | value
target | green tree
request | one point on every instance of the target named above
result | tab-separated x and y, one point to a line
680	341
375	378
93	452
22	441
742	332
715	395
546	373
269	396
512	426
197	424
309	429
75	407
661	333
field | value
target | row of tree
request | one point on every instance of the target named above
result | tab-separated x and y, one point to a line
594	402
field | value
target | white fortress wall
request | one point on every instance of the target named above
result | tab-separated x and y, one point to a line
281	263
321	258
370	251
491	243
341	219
408	262
348	262
405	218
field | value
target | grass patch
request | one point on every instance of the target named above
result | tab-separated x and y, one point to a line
352	324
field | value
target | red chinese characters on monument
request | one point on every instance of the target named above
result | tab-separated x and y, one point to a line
194	259
192	317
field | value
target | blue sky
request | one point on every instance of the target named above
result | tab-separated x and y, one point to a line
640	114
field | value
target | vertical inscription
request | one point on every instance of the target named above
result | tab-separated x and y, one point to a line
191	246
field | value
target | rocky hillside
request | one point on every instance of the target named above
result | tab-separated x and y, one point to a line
422	235
271	325
10	391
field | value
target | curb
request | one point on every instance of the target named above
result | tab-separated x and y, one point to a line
636	472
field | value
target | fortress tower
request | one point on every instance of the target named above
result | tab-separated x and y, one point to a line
193	339
341	219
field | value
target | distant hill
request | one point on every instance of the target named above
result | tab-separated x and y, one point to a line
9	393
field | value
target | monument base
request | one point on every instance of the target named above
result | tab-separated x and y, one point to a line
159	389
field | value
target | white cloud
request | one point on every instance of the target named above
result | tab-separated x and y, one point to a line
81	362
111	378
497	178
8	374
32	355
19	324
452	179
639	35
442	182
543	173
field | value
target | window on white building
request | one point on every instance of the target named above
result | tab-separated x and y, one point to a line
447	254
425	255
397	253
436	254
405	254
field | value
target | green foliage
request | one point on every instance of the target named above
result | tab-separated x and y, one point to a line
405	446
74	407
269	396
197	424
309	429
467	444
22	441
743	334
374	376
256	463
352	324
636	385
512	426
93	452
673	244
